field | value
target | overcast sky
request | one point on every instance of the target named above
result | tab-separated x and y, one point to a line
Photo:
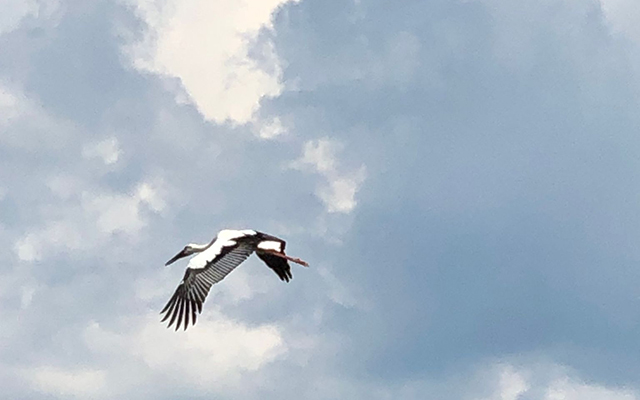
462	175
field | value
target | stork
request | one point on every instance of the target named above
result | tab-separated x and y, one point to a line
214	261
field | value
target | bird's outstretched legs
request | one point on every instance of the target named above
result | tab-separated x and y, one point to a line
286	257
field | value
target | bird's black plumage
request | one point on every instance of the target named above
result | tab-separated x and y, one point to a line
279	265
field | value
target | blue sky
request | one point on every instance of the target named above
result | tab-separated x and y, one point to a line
463	177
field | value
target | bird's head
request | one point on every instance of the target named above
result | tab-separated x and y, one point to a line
187	251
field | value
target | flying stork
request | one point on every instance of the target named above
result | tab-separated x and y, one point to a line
214	261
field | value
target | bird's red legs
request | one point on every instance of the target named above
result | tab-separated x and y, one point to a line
286	257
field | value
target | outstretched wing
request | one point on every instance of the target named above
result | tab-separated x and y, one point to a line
195	285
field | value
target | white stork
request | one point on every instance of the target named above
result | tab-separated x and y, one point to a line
217	259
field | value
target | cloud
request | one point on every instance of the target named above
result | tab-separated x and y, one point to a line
537	381
221	348
56	235
211	359
206	45
623	16
26	126
67	383
565	389
108	150
512	384
122	213
90	218
272	129
338	192
15	12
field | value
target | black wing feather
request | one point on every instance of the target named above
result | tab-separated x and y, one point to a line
195	286
278	264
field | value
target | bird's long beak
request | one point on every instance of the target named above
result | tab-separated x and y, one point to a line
176	257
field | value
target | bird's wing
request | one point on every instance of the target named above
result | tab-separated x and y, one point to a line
278	264
196	284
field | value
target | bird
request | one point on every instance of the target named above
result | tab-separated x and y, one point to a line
214	261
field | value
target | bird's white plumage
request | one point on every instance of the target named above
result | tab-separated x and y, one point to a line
230	234
270	245
225	238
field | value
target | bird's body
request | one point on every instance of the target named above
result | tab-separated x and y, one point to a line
214	261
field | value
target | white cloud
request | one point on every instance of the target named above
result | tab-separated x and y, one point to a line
205	44
78	383
14	11
26	296
151	194
8	104
219	347
28	248
512	384
85	209
55	235
271	129
339	190
210	358
25	125
115	212
567	389
107	150
321	154
543	382
340	193
624	16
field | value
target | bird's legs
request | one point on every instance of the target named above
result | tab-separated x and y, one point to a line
286	257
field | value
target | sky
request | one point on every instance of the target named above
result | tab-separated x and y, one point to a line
463	177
